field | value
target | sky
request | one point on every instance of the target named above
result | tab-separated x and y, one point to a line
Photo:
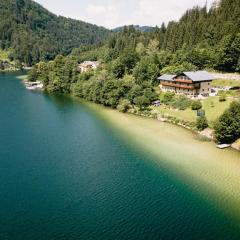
115	13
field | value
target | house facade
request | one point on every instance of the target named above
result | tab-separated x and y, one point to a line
189	83
87	65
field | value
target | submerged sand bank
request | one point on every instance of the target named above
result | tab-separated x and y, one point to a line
213	172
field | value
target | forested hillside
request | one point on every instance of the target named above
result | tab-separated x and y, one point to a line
35	34
200	40
213	34
132	60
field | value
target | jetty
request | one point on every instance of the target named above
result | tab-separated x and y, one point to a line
34	85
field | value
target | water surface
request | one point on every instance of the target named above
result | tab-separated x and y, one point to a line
68	173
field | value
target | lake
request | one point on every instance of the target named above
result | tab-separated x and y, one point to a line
68	171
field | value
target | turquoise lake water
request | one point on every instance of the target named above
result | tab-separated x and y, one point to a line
65	174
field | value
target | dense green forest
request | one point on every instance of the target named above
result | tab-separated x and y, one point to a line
34	34
201	39
132	60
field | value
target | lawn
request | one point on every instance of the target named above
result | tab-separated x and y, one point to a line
211	105
225	83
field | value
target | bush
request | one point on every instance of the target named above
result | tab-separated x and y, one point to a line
124	105
141	102
168	97
196	105
33	74
181	102
201	123
227	127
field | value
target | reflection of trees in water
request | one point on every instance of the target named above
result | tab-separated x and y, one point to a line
60	100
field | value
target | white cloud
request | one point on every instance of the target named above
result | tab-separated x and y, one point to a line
108	15
95	9
114	13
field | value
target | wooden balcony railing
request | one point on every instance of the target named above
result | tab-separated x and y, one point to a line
182	80
191	87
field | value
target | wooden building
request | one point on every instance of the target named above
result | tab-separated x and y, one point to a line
189	83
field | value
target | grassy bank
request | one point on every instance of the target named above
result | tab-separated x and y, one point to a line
213	109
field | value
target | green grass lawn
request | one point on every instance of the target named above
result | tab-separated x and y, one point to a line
225	83
211	105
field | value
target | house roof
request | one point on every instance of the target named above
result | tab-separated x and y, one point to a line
85	63
167	77
194	76
199	76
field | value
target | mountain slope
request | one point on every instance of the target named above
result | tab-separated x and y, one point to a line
36	34
137	27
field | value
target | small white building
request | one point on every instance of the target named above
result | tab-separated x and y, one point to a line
87	65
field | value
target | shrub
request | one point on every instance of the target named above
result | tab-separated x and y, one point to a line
227	127
33	74
141	102
181	102
124	105
168	97
201	123
196	105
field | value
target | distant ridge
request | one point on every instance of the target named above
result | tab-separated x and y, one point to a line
137	27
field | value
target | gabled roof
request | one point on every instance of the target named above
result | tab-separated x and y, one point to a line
199	76
194	76
167	77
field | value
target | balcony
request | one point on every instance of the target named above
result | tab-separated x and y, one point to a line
183	86
182	80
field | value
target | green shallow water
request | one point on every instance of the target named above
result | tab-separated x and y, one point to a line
66	173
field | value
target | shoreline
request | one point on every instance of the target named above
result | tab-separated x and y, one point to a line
203	136
207	135
212	172
10	70
14	70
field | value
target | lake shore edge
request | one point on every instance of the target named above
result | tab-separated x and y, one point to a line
207	135
212	171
